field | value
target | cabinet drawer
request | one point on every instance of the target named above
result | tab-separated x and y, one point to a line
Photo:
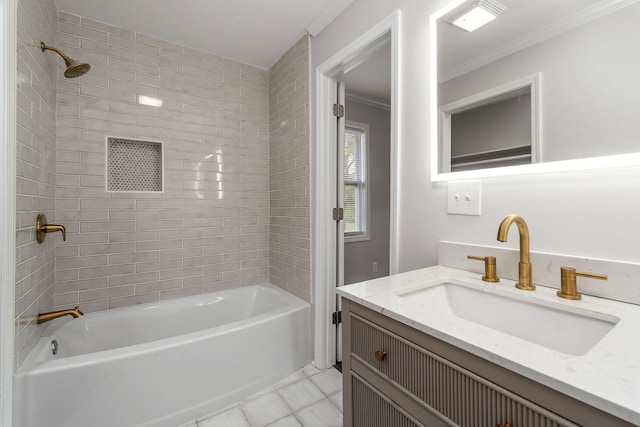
458	394
375	410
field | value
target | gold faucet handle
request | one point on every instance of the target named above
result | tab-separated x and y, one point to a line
490	274
568	283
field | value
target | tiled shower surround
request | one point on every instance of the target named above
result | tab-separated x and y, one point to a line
211	228
36	163
290	196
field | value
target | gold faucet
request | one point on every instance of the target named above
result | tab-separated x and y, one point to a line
524	267
45	317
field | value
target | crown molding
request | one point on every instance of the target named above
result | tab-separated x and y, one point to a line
368	101
324	18
577	19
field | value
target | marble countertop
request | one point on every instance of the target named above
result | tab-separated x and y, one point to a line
606	377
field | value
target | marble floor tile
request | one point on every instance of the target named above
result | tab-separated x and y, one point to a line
301	394
310	370
320	414
336	399
329	381
299	400
265	409
291	379
289	421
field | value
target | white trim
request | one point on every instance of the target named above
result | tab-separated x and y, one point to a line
323	226
371	102
490	96
395	138
547	32
8	10
613	161
324	178
324	18
338	254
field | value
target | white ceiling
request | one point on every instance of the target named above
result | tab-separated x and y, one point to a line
254	32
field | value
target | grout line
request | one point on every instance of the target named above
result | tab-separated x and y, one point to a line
243	414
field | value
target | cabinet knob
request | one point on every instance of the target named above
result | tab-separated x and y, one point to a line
380	355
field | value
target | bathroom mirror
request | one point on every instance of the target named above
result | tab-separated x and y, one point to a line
582	53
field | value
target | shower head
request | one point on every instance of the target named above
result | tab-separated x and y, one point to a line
74	68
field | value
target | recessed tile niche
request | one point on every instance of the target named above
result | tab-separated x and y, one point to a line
134	165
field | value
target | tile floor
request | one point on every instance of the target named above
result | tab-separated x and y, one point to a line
309	398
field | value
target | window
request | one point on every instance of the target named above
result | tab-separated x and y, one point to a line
356	176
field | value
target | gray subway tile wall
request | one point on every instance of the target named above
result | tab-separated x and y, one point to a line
209	229
36	163
290	249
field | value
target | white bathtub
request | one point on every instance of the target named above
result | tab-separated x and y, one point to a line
162	364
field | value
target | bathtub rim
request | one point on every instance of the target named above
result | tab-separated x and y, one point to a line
34	363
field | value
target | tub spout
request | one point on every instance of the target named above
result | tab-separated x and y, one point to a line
42	228
45	317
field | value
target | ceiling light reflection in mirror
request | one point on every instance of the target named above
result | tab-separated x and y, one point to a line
477	14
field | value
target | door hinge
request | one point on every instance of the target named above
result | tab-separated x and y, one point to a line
336	318
338	110
338	214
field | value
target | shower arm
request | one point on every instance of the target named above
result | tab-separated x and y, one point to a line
45	47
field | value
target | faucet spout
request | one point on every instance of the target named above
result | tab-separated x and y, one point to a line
524	267
52	228
50	315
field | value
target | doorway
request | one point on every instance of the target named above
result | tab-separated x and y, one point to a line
363	174
366	179
327	273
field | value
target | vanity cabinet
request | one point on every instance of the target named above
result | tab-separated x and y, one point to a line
395	375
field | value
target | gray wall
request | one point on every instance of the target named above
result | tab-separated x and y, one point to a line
497	126
359	256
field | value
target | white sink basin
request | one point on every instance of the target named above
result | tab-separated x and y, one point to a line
569	330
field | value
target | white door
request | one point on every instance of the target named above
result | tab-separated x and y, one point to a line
339	112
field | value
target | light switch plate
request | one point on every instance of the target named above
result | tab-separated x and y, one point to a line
464	198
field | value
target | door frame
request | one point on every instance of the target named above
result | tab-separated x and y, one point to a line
8	55
324	154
